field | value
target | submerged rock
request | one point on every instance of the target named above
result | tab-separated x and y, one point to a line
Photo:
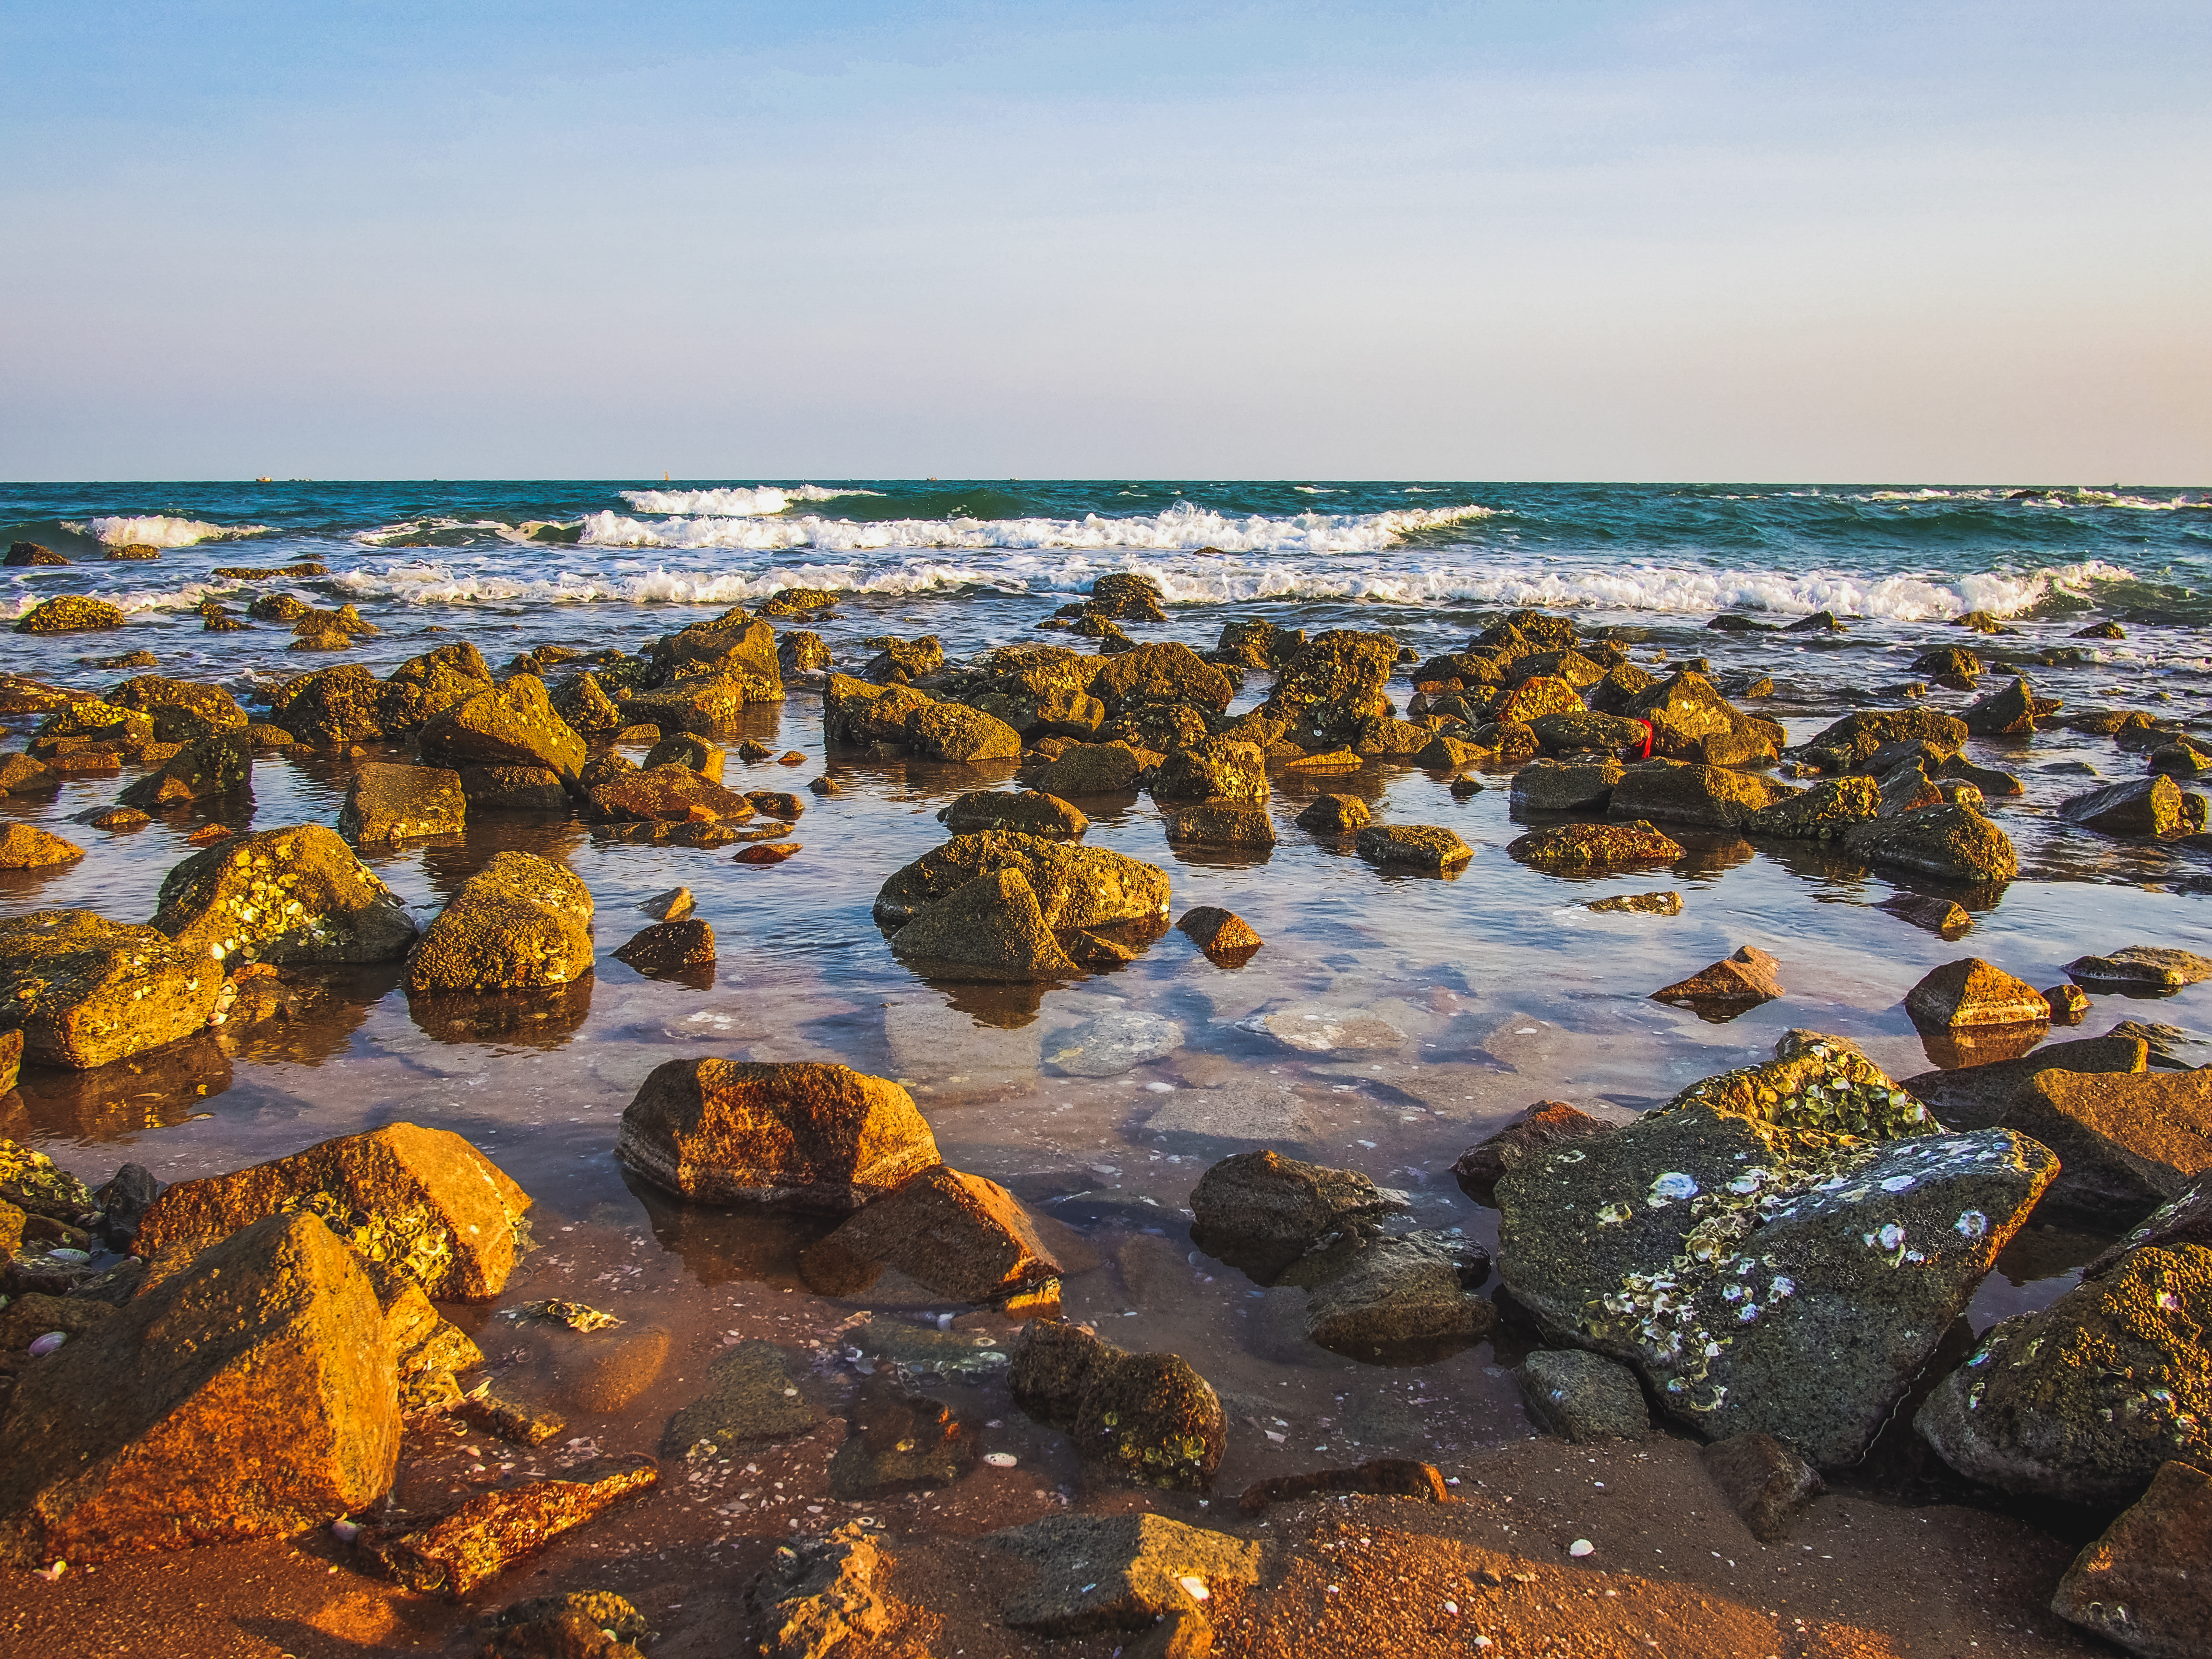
900	1443
1378	1477
491	1532
803	1136
1645	904
1403	1298
295	896
1146	1416
1261	1212
85	991
2144	1585
958	1236
1582	1396
752	1397
519	922
1116	1043
1099	1572
387	803
580	1624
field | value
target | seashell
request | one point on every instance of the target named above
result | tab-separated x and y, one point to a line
1000	1459
71	1258
344	1530
46	1344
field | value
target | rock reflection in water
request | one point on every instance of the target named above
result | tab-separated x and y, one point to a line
543	1018
155	1090
751	1245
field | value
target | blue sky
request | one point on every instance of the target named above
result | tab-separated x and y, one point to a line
1929	242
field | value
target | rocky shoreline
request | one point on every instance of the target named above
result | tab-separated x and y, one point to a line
1774	1263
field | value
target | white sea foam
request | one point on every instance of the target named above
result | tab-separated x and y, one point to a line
733	504
159	530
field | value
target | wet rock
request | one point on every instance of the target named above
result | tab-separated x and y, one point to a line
1951	843
1730	987
1560	786
179	709
519	922
1217	823
1854	739
1576	730
508	1417
581	1625
1261	1212
69	613
1533	698
991	928
947	731
30	1316
1765	1482
1976	1096
2140	806
1704	797
752	1397
422	1203
386	803
1075	886
1952	659
1115	1043
2012	712
1334	814
491	1532
900	1443
1384	735
1205	1121
1404	1297
25	847
803	1136
1973	993
512	724
583	702
1335	681
2069	1004
827	1596
531	789
802	651
770	853
124	1201
270	1344
670	947
1938	916
609	1371
1582	1397
897	661
1313	1028
1091	769
2140	970
221	764
1026	811
857	712
665	794
1779	1248
2143	1585
21	775
1545	1126
1578	847
1690	721
1819	813
1217	769
331	708
1224	936
88	725
1649	904
956	1234
687	748
2082	1401
1412	847
1161	673
2126	1140
85	991
31	553
1445	754
426	686
1146	1416
1117	1572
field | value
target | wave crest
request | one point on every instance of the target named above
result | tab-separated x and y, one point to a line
734	502
158	530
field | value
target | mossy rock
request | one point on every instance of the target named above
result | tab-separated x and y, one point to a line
1577	847
69	613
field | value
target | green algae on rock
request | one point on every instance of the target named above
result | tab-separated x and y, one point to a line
1412	847
69	613
289	896
221	763
992	929
86	991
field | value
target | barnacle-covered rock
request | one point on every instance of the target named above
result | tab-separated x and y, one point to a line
1778	1248
1076	886
296	896
84	991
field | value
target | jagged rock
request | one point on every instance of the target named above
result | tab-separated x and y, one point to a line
900	1443
1765	1482
426	686
855	712
1261	1212
670	947
1578	847
508	1417
2126	1140
2142	1585
2140	806
2011	712
1691	721
25	847
1779	1248
1535	697
489	1533
1545	1126
805	1135
990	928
423	1203
1164	673
2141	971
1403	1298
219	764
1819	813
332	707
1649	904
826	1600
1224	936
1582	1397
1075	886
86	723
1947	659
1127	597
1118	1572
513	725
1953	842
1338	676
1025	812
1972	992
1217	769
520	921
958	1236
85	991
752	1397
1334	814
1255	643
387	803
2082	1401
948	732
1730	987
270	1344
802	651
1573	730
69	613
1976	1096
1147	1416
1412	847
1704	796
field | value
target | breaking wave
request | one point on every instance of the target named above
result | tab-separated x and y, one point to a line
734	502
161	530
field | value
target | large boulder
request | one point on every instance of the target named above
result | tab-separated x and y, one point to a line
1217	768
1779	1249
520	921
803	1136
2140	806
732	645
992	928
2011	712
955	1235
422	1203
85	991
1091	769
857	712
1164	673
1951	843
1976	1096
2146	1585
1564	786
1691	721
1854	739
1822	813
1076	886
1702	797
219	764
582	702
252	1393
424	687
88	723
387	803
2082	1401
178	709
295	896
331	708
512	724
2126	1141
1342	672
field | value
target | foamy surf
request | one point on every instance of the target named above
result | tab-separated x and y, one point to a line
158	530
734	502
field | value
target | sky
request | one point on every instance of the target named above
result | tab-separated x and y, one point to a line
1935	242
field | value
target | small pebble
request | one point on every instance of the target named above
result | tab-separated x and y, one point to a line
1581	1547
1000	1459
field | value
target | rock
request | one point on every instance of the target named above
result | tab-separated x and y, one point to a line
1938	916
802	1135
124	1201
270	1344
1146	1416
69	613
2126	1140
1730	987
1545	1126
1335	680
2140	806
1765	1482
179	709
1412	847
1205	1120
1026	811
752	1397
1224	936
24	847
900	1443
1580	729
87	723
387	803
1334	814
1091	769
1972	992
947	731
519	922
1976	1096
584	703
1819	813
1378	1477
2011	712
990	928
1075	886
2084	1401
514	789
1579	847
665	794
1704	796
1650	904
296	896
2142	1584
507	1417
1116	1043
2069	1004
222	764
423	1203
957	1236
331	708
1779	1248
1117	1572
489	1533
897	660
585	1624
1404	1297
1217	769
690	749
1313	1028
1261	1212
670	947
1443	754
21	775
31	553
1218	823
1127	597
1556	786
802	651
1951	659
1952	842
770	853
1161	673
512	724
1581	1397
85	991
2140	970
827	1596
